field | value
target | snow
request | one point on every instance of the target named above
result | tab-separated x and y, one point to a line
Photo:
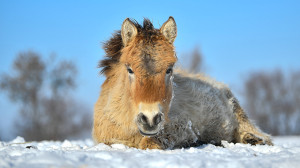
83	153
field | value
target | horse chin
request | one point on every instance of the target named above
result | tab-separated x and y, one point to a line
148	134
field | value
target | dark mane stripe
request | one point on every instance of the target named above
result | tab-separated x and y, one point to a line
114	45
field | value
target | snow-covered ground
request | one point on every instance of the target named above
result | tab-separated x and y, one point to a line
18	153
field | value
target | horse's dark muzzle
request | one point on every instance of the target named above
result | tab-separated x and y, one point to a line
149	127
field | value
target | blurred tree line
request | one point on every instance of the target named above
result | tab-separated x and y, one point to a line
48	111
42	88
272	99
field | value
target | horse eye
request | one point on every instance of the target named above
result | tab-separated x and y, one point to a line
129	70
169	71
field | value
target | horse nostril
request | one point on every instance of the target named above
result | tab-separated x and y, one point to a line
143	119
157	119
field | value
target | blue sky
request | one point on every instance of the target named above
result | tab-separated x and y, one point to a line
235	37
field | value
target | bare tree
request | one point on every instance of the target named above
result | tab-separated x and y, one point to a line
273	100
196	64
25	85
43	91
194	61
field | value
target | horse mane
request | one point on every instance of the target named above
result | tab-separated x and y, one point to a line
114	45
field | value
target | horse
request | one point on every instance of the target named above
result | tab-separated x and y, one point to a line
145	102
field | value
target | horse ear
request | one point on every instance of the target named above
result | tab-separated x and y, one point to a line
169	29
128	31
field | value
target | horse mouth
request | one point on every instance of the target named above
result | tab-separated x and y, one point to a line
148	134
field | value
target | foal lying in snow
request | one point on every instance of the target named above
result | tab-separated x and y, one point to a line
145	103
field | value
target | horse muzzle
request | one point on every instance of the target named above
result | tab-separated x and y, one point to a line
149	126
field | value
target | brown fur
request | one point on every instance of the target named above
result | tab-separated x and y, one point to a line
149	53
111	108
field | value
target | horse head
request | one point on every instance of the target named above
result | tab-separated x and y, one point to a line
148	57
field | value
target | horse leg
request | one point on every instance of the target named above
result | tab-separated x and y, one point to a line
247	132
150	143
